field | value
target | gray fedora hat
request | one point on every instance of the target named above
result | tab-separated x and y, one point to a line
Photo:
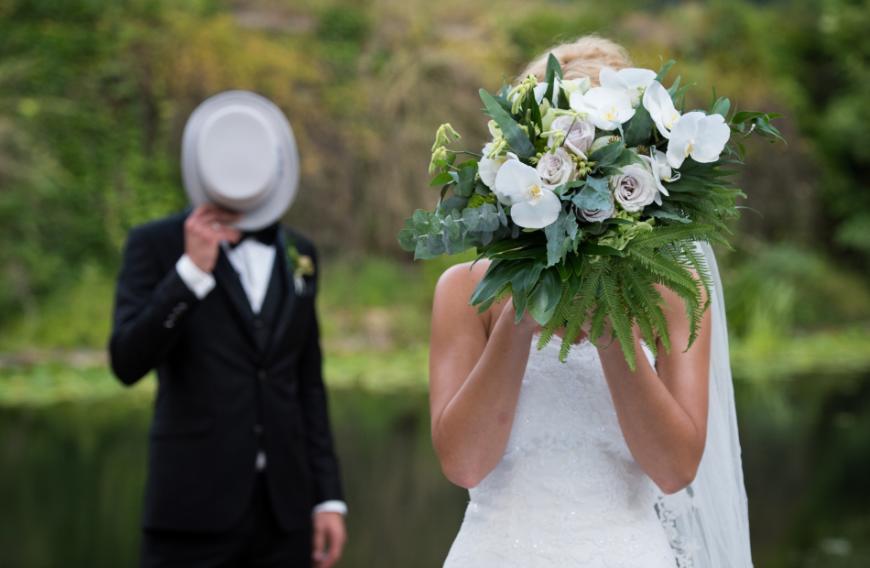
238	151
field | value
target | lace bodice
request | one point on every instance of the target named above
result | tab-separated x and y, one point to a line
567	491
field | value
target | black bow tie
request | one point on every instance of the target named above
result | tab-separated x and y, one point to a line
267	235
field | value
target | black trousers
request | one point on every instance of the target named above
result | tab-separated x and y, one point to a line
257	541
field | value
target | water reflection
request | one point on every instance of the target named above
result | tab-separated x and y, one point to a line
71	479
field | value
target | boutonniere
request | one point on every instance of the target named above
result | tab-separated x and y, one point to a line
302	265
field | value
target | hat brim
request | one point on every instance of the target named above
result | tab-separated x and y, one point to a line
287	182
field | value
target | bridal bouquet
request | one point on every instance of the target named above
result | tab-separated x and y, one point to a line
586	198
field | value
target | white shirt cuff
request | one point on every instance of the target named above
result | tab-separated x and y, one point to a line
334	506
199	281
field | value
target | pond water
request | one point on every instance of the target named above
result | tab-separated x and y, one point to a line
71	479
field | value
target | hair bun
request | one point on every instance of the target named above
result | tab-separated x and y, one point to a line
583	57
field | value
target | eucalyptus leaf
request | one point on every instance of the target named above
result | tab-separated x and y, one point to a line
452	203
428	246
484	218
407	239
452	228
560	237
594	196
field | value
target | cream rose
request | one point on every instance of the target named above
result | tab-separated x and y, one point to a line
634	187
578	133
555	168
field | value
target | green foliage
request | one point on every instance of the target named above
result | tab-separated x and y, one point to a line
342	23
430	234
73	318
774	289
516	137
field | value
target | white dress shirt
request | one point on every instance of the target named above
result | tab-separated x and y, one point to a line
253	261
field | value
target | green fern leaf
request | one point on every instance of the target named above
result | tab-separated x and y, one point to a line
620	321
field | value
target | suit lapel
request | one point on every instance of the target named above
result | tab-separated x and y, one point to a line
228	281
287	306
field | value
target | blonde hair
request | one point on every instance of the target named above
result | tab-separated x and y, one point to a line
583	57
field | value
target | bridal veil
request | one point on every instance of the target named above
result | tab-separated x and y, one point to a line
707	522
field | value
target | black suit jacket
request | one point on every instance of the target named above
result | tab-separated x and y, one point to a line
219	394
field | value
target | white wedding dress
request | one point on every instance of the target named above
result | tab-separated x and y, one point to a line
567	492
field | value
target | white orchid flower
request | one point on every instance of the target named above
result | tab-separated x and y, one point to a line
697	135
533	206
488	167
658	103
571	86
661	171
632	79
540	91
606	108
567	87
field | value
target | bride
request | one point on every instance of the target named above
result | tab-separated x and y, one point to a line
586	463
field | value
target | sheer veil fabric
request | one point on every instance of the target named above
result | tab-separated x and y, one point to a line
707	522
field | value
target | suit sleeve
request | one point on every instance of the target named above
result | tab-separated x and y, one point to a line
319	443
150	304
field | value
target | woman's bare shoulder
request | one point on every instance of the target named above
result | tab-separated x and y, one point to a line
453	291
462	277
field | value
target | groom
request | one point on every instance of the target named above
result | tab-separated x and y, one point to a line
220	301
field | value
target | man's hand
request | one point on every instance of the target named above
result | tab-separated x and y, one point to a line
329	539
204	229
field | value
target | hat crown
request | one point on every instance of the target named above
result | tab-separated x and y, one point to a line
238	151
238	157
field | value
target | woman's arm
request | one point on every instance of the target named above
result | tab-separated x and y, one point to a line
663	411
474	377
